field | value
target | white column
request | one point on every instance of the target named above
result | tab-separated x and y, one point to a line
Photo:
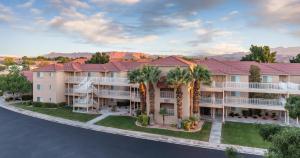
288	118
223	112
285	118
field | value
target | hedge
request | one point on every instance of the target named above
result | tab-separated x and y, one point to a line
48	105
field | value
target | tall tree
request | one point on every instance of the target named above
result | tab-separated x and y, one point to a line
8	61
176	78
137	76
255	76
260	54
62	59
295	59
199	75
99	58
293	107
15	83
285	144
152	75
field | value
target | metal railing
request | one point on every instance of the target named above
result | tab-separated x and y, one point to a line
243	101
167	94
115	80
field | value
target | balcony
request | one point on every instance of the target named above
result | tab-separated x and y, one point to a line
117	94
281	87
99	80
167	96
258	103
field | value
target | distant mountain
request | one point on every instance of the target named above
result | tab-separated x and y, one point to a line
114	55
283	54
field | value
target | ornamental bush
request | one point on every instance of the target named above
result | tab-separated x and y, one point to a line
143	119
267	131
285	144
47	105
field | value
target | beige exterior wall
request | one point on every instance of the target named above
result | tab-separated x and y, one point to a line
295	79
51	87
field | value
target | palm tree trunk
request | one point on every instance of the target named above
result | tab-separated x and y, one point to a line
152	98
142	90
179	102
196	97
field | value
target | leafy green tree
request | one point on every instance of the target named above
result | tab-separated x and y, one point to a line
15	83
285	144
152	75
177	78
295	59
2	68
99	58
62	59
199	75
267	131
163	113
137	76
8	61
293	107
261	54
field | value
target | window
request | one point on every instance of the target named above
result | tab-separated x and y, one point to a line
39	74
50	87
235	78
39	99
51	74
38	87
169	107
267	79
235	94
89	74
50	100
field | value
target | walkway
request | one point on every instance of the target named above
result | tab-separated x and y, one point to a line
216	132
105	113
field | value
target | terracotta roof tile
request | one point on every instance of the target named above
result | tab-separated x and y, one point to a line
171	61
288	68
50	68
28	75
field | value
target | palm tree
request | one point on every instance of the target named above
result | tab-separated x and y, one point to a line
178	77
199	75
137	76
152	75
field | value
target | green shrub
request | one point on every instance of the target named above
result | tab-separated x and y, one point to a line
231	152
267	131
143	120
47	105
27	97
187	124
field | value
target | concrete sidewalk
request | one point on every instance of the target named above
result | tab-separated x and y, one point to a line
135	134
216	132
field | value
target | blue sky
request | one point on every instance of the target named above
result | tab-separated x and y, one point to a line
189	27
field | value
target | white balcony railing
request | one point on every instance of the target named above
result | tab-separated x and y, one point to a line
99	80
116	93
83	101
282	86
255	101
167	94
243	101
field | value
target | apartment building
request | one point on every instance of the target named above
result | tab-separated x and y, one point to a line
90	88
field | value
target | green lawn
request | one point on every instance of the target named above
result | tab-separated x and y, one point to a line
63	112
242	134
128	123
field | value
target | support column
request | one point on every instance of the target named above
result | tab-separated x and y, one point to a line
288	118
130	97
223	112
285	119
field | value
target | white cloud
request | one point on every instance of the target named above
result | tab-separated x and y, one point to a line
230	15
224	48
27	4
95	29
35	11
6	13
116	1
77	3
178	22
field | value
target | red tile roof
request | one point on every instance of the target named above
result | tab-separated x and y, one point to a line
288	68
245	67
28	75
51	68
171	61
217	67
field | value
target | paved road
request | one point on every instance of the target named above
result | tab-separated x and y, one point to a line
26	137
